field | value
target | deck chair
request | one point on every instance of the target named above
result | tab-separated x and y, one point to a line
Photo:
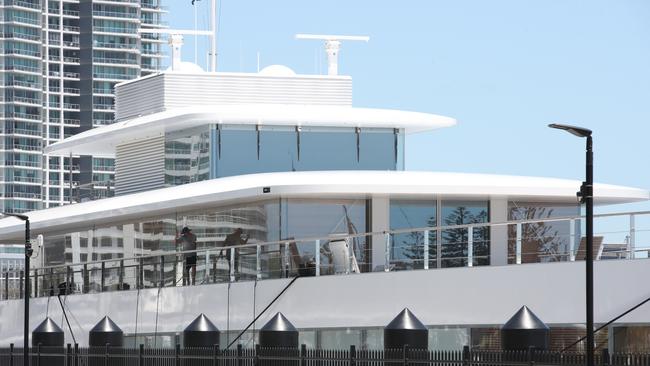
597	246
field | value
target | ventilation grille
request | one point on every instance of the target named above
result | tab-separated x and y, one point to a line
140	166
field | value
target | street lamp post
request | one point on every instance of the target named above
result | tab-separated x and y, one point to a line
28	254
586	195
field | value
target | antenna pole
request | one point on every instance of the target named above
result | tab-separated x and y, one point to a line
213	38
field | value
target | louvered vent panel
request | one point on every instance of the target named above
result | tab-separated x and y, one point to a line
140	166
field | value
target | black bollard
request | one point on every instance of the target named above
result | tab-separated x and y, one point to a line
278	338
48	338
200	339
104	339
524	331
406	330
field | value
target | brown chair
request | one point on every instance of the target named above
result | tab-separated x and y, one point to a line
596	245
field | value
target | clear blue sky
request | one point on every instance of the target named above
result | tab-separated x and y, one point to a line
503	68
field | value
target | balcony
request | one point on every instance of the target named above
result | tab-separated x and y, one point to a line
115	14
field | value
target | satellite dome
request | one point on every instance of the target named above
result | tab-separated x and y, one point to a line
277	70
186	66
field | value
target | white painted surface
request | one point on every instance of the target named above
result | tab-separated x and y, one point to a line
498	234
478	296
102	141
322	184
380	221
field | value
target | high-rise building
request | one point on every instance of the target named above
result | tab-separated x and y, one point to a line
59	62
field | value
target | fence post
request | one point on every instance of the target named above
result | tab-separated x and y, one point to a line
76	354
353	355
466	356
215	355
258	262
518	244
605	356
317	258
38	355
303	354
139	277
387	253
426	249
68	354
11	354
141	355
530	355
256	360
405	352
239	354
177	354
6	285
106	355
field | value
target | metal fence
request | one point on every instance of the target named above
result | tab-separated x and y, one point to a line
110	356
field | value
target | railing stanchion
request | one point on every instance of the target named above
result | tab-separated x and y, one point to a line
103	277
140	274
206	276
353	355
75	358
518	247
35	282
286	259
121	275
6	285
215	355
426	249
317	257
387	253
632	241
572	240
258	261
11	354
303	354
177	355
256	358
68	280
405	355
470	246
68	354
232	264
240	360
86	279
162	271
21	279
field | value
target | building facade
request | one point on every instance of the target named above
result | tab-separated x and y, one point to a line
59	62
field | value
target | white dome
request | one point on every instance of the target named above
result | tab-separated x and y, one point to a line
186	66
277	70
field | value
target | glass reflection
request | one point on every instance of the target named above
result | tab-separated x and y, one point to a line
321	218
455	241
407	251
187	156
541	241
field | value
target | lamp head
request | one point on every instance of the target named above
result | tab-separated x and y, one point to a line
574	130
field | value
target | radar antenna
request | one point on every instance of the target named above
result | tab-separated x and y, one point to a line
332	47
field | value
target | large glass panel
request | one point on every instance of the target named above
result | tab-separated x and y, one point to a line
302	218
448	339
278	149
236	151
235	225
378	149
407	251
187	156
542	241
455	241
328	149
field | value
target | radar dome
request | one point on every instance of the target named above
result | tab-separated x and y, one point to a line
277	70
186	66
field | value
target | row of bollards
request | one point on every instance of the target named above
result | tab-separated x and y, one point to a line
523	331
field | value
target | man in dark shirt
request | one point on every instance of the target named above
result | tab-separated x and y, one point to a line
187	241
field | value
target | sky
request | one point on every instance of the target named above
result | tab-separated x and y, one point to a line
503	68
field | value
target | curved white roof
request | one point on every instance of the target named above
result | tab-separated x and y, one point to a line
322	184
102	141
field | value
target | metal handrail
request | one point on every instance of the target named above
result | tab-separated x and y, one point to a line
154	254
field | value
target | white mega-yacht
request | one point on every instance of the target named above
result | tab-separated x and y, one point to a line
278	175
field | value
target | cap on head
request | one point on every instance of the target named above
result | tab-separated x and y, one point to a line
185	230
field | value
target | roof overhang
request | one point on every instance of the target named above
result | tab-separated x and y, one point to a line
102	141
324	184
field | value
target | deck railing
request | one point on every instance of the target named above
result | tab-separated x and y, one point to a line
619	236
